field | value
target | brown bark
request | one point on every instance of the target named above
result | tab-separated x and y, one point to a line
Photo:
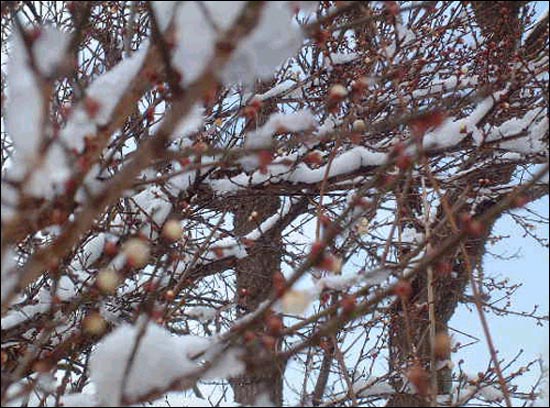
409	336
499	23
409	330
410	340
255	277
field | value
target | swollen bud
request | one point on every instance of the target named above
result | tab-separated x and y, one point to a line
331	263
107	281
169	295
295	301
274	325
359	125
442	346
349	304
91	106
137	252
337	92
419	378
94	324
172	230
403	289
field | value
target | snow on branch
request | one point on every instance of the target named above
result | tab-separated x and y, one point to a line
280	122
274	40
25	110
102	97
130	363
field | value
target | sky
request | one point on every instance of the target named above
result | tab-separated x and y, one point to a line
531	269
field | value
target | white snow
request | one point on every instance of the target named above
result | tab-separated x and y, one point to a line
196	37
228	362
79	400
526	134
338	58
274	40
367	388
162	356
164	11
37	398
19	315
347	280
9	202
47	179
182	181
160	360
66	289
106	91
404	33
78	126
491	393
288	122
453	130
232	247
24	110
276	90
110	87
152	207
192	122
178	399
202	313
404	37
8	273
346	163
92	250
441	87
328	126
50	50
92	184
410	235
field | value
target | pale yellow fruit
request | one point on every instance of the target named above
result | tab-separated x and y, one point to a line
338	91
295	301
94	324
172	230
107	281
137	252
359	125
